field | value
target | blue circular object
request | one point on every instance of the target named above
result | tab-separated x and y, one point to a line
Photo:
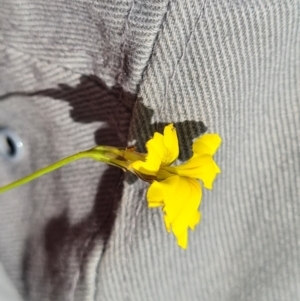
11	145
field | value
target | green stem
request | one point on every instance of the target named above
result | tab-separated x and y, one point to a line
85	154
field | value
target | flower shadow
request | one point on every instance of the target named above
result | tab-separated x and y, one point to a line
187	130
91	100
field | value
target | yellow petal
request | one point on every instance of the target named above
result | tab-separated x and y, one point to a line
171	145
156	194
195	220
156	151
182	239
162	150
207	144
200	167
189	215
181	197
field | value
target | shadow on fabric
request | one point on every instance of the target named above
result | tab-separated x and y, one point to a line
93	101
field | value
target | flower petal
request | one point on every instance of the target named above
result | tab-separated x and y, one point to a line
201	167
156	194
195	220
181	197
207	144
154	158
171	145
162	150
189	216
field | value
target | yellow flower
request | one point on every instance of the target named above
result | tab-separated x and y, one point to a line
176	188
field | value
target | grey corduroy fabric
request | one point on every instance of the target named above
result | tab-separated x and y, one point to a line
7	289
76	73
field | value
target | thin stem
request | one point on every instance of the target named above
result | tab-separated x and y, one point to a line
54	166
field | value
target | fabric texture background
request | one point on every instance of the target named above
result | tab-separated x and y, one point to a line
7	289
78	73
